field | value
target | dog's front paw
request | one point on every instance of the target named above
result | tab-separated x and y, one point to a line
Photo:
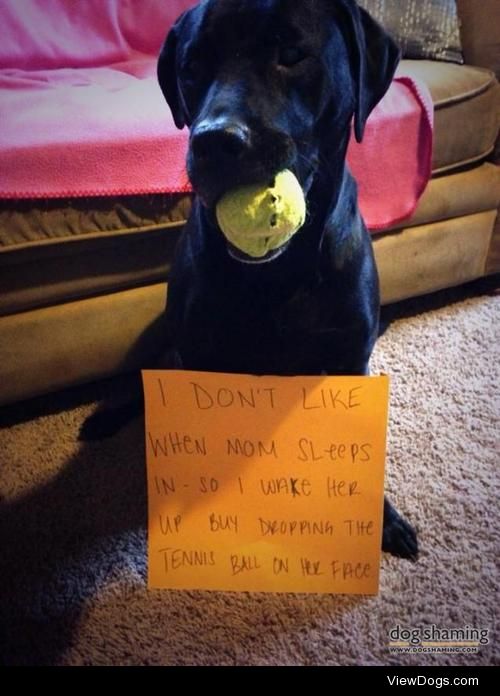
398	538
106	422
98	426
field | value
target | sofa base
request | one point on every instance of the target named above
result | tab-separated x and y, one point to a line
426	258
46	349
51	348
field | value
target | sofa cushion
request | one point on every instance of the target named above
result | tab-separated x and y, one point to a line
423	29
470	191
62	250
29	222
467	111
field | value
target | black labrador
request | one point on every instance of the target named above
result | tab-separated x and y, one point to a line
267	85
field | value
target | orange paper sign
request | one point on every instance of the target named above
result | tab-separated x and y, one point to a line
271	484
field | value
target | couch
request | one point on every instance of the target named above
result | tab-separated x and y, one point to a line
82	280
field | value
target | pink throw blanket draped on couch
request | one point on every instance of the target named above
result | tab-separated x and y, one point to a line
81	113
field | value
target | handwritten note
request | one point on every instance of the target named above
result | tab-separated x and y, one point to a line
271	484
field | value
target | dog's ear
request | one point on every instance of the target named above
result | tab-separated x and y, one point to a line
374	59
167	74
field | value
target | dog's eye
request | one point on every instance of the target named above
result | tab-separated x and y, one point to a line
288	56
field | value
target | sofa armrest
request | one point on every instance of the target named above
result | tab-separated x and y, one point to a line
479	22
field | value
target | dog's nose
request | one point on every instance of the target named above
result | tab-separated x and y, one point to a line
220	140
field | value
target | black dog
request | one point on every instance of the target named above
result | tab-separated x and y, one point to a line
267	85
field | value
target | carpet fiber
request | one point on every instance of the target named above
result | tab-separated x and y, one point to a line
73	540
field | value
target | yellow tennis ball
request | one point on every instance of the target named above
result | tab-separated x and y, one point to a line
258	219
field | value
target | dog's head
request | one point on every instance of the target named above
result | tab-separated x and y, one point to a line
267	85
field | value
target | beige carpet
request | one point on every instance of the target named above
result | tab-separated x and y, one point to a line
73	542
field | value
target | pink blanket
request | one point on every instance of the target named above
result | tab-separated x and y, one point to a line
81	113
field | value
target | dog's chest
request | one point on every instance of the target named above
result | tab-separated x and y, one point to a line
258	332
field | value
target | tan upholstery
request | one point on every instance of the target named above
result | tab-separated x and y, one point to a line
479	28
467	111
24	222
46	349
458	195
71	269
493	259
425	258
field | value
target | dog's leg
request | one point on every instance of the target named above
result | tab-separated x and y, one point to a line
398	538
110	418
